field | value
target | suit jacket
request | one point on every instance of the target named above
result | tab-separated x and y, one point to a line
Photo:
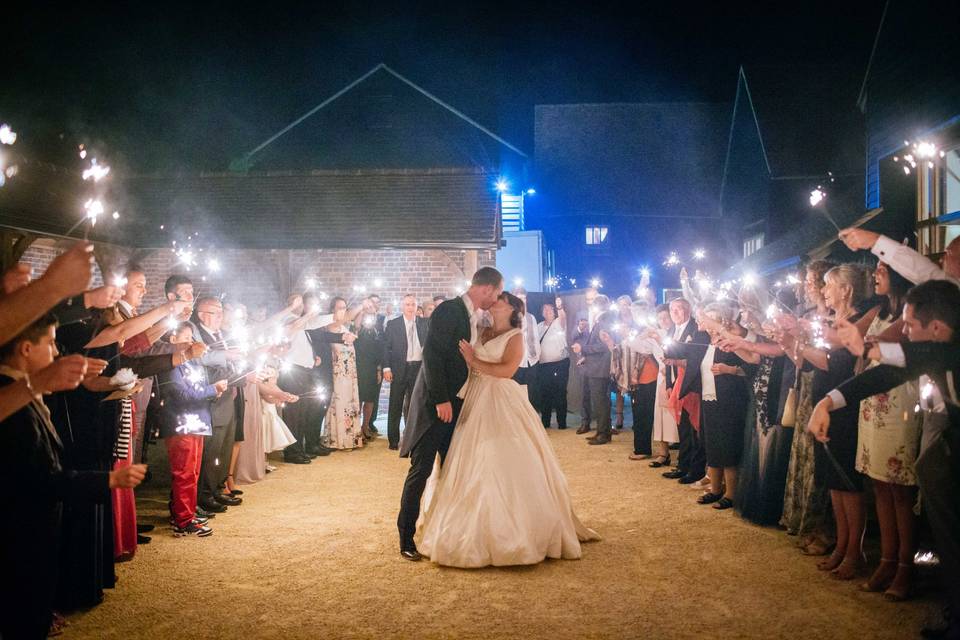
443	372
320	340
182	397
596	354
229	406
395	343
691	335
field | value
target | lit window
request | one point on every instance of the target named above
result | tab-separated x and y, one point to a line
596	235
752	244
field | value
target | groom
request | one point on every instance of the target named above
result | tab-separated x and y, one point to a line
434	406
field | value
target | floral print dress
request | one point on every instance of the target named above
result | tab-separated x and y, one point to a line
889	430
343	427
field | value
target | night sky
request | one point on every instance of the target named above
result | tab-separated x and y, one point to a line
168	88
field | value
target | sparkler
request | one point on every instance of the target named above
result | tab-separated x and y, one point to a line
595	283
672	260
699	254
213	265
7	135
817	198
96	172
518	281
191	423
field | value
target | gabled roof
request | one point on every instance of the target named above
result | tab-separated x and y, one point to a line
360	97
806	119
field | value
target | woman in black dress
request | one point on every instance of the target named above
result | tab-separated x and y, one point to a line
369	345
845	286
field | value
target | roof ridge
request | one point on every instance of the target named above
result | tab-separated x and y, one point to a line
352	85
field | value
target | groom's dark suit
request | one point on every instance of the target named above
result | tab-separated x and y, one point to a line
441	377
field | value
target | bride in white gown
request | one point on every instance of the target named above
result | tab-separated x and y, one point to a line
500	498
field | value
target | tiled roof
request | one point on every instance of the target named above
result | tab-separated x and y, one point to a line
433	208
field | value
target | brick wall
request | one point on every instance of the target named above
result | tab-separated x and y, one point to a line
257	277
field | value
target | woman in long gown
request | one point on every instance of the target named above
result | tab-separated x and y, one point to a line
264	430
500	498
343	427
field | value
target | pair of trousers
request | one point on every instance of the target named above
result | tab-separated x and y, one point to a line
215	464
435	441
693	457
185	454
938	473
527	376
586	415
553	378
401	388
300	416
600	404
642	400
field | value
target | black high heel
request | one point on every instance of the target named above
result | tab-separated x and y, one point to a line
661	461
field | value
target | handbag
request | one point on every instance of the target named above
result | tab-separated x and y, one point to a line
789	418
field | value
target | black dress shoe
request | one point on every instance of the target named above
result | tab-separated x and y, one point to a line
688	480
236	492
393	447
600	440
674	475
709	498
212	506
203	513
562	427
296	459
144	528
313	452
230	501
411	554
142	539
583	429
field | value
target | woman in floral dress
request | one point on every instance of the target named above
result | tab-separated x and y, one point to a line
343	427
888	444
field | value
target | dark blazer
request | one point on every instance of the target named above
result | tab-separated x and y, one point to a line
229	406
691	335
727	385
320	340
596	354
395	343
182	397
443	372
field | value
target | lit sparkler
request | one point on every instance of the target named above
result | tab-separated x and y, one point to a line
699	254
96	172
7	135
672	260
191	424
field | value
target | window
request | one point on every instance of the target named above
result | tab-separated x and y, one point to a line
597	235
752	244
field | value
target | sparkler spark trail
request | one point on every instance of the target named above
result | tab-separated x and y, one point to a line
96	172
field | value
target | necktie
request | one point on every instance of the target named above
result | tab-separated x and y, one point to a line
410	337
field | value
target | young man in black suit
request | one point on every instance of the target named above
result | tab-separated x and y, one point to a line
402	356
33	486
435	407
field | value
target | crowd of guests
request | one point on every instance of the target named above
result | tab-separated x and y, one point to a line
89	380
779	404
788	404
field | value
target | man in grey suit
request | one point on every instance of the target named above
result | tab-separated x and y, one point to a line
434	406
596	367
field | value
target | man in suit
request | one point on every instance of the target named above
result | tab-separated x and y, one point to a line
931	318
402	355
434	406
692	459
35	485
226	414
596	368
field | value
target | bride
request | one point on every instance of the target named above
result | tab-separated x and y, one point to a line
500	498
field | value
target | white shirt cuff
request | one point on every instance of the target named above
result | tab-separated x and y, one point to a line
839	402
884	247
892	353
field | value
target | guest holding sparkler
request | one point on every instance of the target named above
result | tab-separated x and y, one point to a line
185	420
369	327
554	366
596	368
844	287
402	359
665	430
343	427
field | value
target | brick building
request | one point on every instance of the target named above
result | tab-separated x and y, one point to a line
382	186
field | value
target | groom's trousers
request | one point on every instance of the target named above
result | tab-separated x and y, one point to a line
435	441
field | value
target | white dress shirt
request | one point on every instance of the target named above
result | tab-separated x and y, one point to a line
476	317
553	342
301	351
678	331
531	342
909	263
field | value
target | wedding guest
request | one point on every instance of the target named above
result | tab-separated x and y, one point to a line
234	327
369	329
665	430
644	373
554	365
721	377
888	442
428	308
185	419
226	413
343	425
907	262
844	287
596	368
402	358
806	510
625	322
35	485
691	462
580	336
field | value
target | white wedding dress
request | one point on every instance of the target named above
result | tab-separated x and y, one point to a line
501	498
